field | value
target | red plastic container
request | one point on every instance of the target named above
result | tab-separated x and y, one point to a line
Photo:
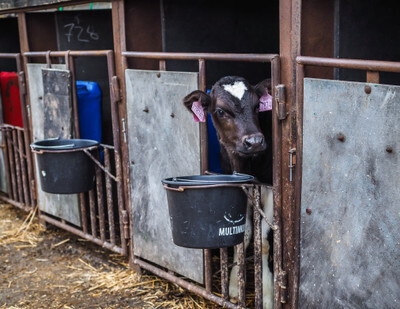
10	98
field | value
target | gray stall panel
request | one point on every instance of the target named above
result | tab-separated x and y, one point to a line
50	98
57	103
163	142
350	208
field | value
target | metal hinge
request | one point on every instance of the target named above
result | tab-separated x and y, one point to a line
125	221
280	97
282	280
22	86
115	90
22	82
292	162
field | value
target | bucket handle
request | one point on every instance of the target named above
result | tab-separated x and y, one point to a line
61	147
182	188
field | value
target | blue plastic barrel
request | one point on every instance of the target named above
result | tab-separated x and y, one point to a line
89	107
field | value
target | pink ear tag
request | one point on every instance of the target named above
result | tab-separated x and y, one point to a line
266	103
198	112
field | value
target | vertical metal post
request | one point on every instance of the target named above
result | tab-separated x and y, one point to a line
204	168
277	190
290	48
113	80
258	271
25	185
84	217
203	125
17	165
110	209
92	207
119	36
70	64
224	273
21	67
48	60
27	135
7	163
162	65
240	249
373	77
100	199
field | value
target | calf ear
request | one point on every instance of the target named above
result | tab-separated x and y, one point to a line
197	103
263	89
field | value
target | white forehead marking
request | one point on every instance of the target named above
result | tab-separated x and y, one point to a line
237	89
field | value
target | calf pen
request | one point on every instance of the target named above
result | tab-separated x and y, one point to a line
15	158
113	229
97	219
144	260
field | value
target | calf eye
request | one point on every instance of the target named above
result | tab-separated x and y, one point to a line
220	112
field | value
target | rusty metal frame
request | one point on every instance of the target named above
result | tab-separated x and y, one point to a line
45	6
372	68
206	292
16	151
69	57
290	26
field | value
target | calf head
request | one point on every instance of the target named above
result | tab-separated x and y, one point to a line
234	106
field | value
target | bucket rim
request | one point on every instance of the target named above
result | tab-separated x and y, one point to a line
70	144
202	180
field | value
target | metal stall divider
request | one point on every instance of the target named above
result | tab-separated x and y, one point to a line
279	285
337	256
16	154
98	230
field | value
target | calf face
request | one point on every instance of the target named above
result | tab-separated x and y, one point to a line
234	106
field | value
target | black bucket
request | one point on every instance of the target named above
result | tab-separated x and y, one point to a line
207	211
64	167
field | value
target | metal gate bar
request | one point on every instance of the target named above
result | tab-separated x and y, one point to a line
357	64
15	156
207	293
11	161
19	165
17	152
81	234
95	198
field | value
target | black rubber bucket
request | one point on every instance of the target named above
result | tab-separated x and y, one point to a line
64	167
207	211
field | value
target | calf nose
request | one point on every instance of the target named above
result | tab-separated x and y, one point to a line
254	142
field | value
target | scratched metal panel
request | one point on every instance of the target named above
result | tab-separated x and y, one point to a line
3	181
161	146
350	241
50	100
